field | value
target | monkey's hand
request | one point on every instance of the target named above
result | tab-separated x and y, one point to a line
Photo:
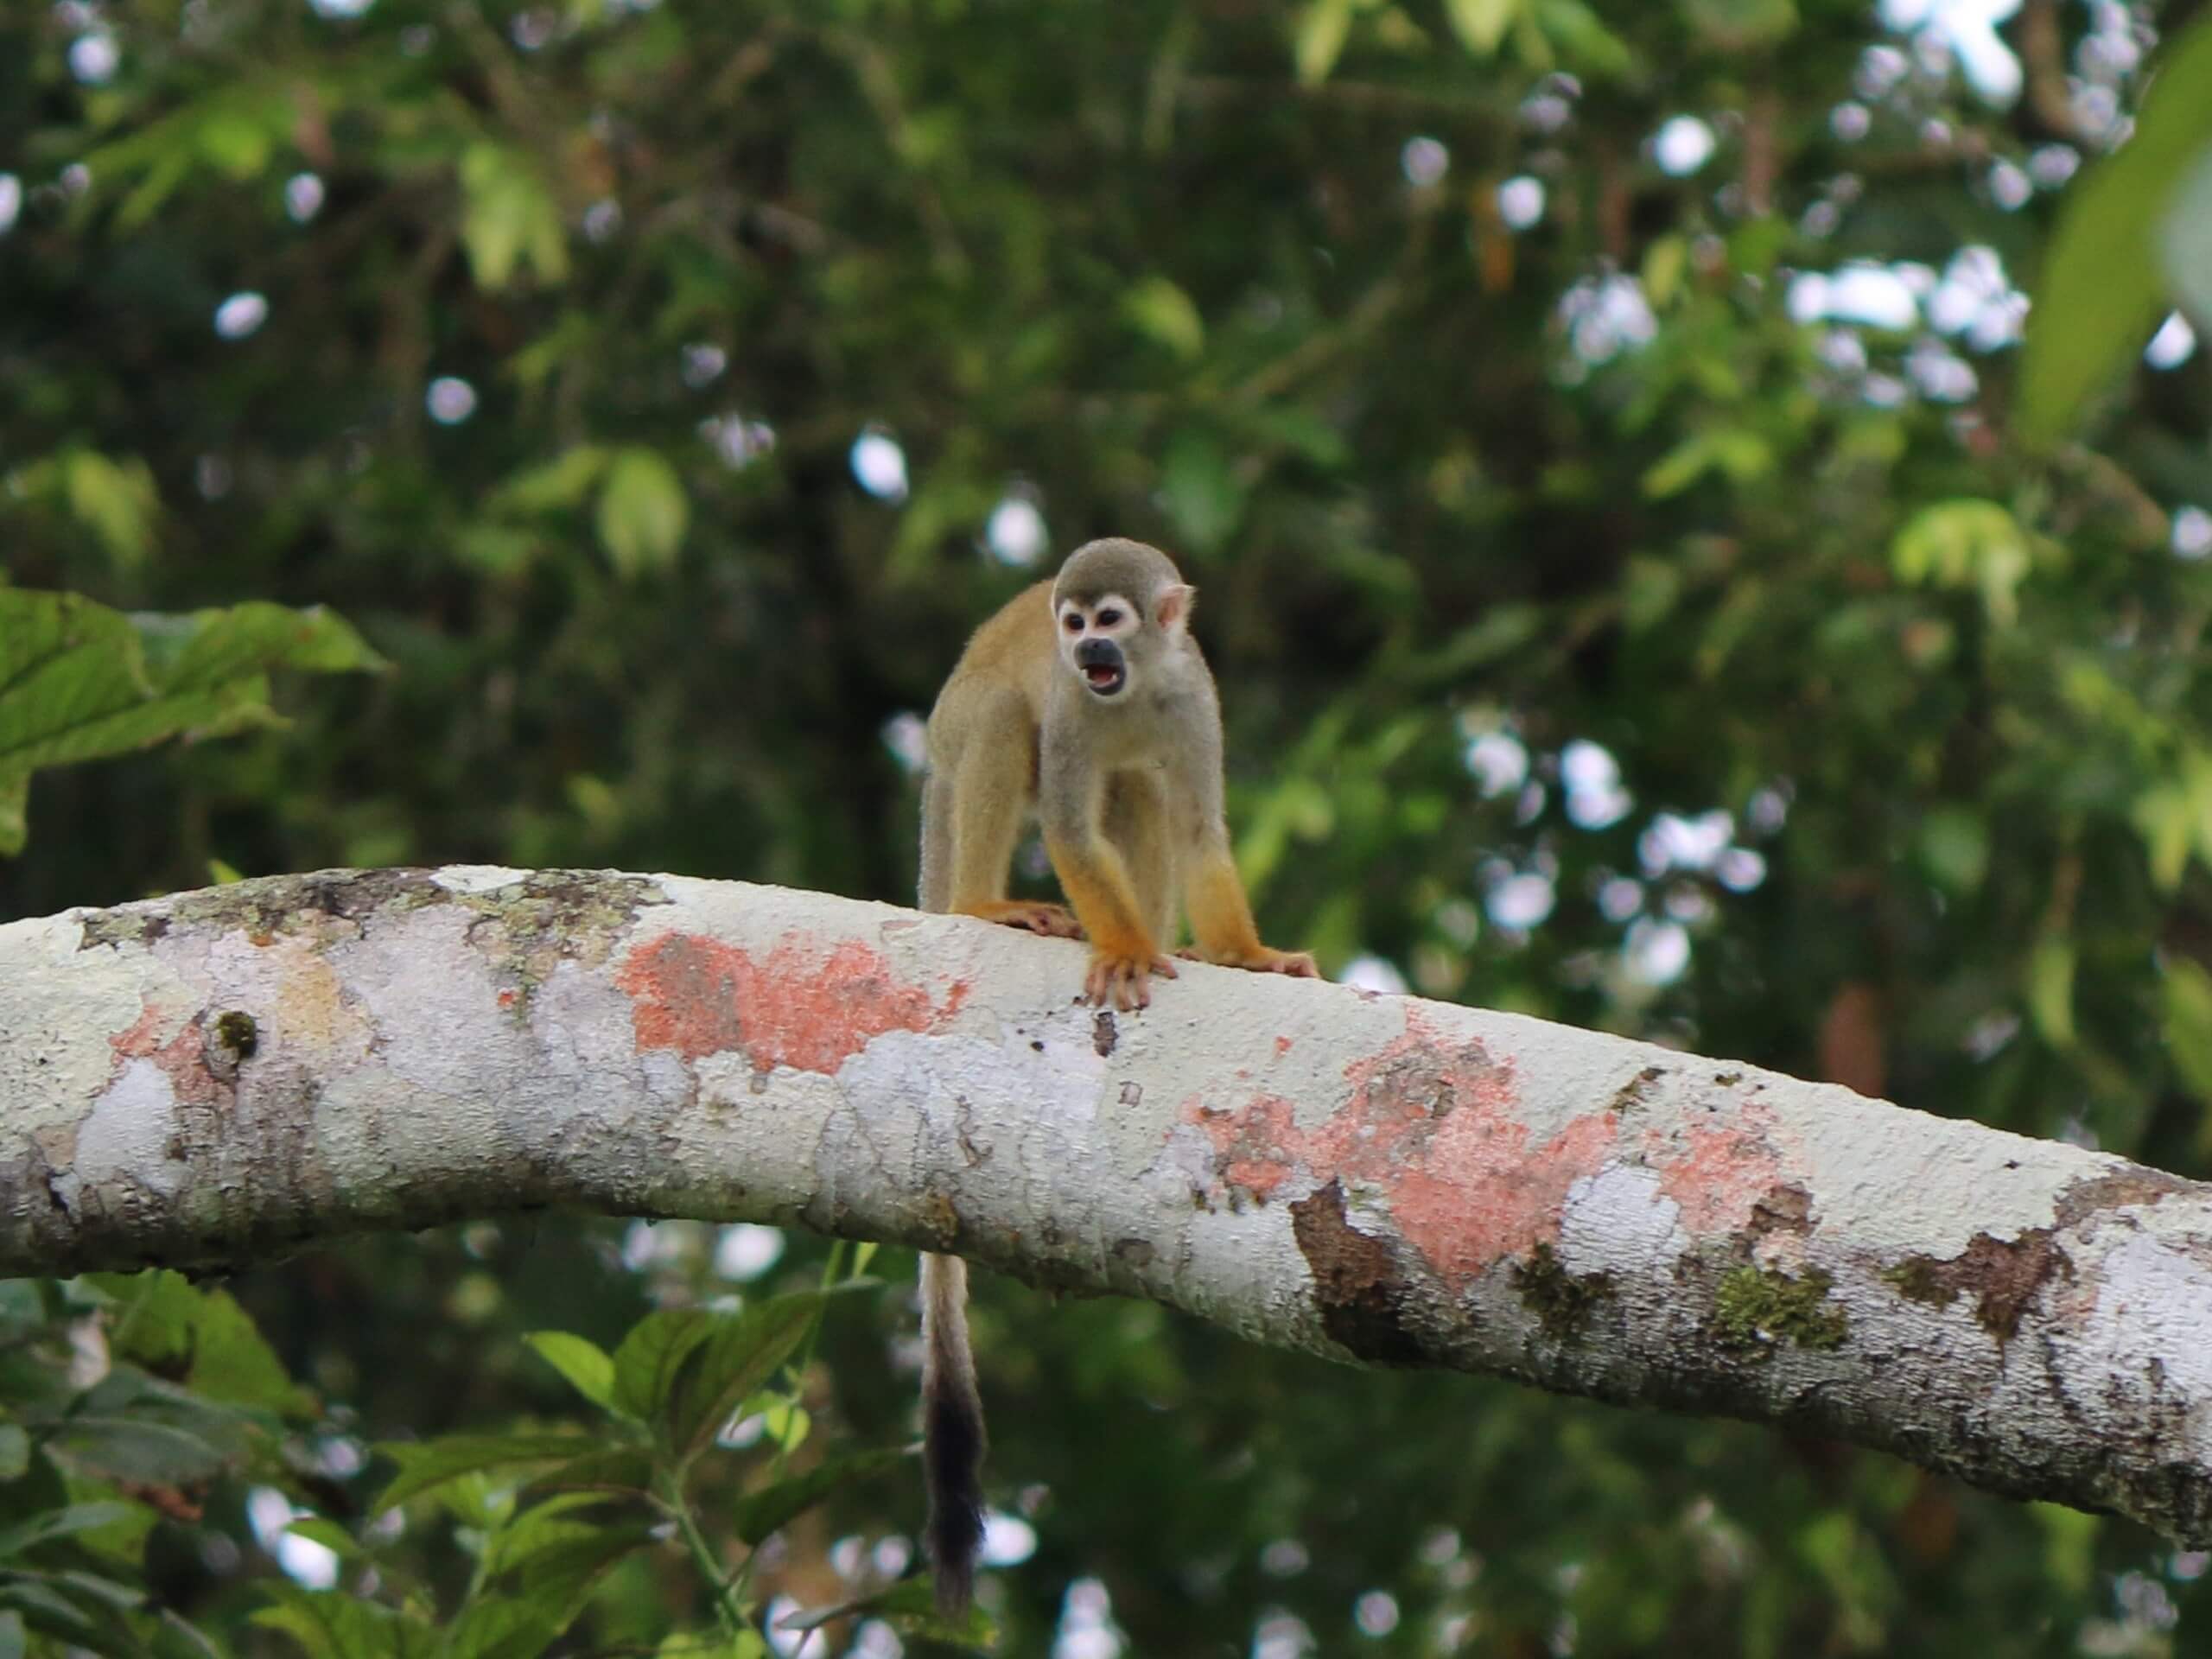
1053	921
1124	981
1261	959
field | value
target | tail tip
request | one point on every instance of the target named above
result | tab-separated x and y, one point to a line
956	1540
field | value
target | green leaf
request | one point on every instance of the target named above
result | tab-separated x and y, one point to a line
621	1469
762	1512
537	1526
58	1524
93	1588
235	142
2050	989
561	482
2188	998
164	1322
145	1449
558	1575
1741	455
116	500
740	1355
2100	296
1481	25
2185	239
508	216
701	1645
502	1627
15	814
1966	543
1501	631
160	182
427	1463
588	1367
1953	846
79	682
136	1427
331	1624
648	1359
1200	489
909	1608
2167	820
1583	39
1319	39
643	512
14	1450
1164	312
47	1611
2070	1554
233	1363
14	1640
1742	25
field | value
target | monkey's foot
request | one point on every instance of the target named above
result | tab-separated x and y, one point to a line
1125	981
1299	965
1053	921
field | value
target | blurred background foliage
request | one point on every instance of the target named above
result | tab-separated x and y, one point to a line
1646	590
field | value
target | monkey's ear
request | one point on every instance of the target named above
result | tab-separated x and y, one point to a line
1171	608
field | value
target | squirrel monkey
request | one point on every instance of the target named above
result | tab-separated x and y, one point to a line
1084	699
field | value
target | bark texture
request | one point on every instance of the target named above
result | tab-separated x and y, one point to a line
212	1076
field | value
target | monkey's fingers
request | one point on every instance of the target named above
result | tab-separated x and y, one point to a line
1124	981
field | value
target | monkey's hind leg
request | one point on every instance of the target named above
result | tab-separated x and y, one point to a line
1221	921
982	804
1038	915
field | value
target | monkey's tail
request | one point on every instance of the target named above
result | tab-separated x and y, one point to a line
952	1432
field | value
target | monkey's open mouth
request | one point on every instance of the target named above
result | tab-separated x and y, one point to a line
1106	678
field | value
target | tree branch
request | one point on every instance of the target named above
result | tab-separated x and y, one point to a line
214	1075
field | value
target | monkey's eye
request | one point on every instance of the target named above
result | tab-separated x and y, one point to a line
1108	617
1072	621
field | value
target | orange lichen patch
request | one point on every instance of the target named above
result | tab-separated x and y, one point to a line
1719	1174
1477	1199
1255	1148
142	1038
182	1059
797	1007
1432	1127
1282	1047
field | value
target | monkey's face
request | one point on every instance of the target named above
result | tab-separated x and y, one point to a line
1098	639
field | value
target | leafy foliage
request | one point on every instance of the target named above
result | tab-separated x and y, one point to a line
79	681
2131	232
1646	591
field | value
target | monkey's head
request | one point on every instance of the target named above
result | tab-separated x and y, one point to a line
1117	607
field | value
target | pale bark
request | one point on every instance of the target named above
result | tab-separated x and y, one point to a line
214	1076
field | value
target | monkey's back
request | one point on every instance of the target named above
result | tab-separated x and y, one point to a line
1010	656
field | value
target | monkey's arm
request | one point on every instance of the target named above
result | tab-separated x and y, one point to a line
1123	954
